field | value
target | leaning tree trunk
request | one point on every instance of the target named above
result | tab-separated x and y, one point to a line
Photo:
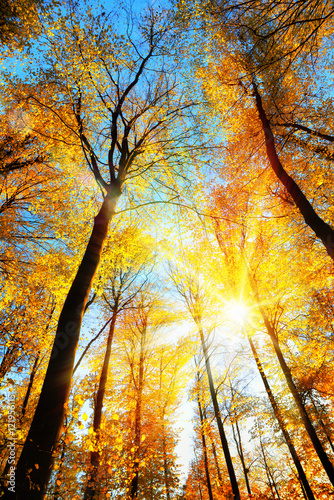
230	468
237	439
270	477
302	477
214	452
138	417
91	492
312	219
166	472
205	450
327	465
35	464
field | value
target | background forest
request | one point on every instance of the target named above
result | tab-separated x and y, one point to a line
166	242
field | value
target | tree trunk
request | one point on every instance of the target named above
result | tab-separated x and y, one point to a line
321	228
134	481
31	381
322	423
271	480
278	415
230	468
91	492
205	451
35	464
164	446
237	439
214	452
327	465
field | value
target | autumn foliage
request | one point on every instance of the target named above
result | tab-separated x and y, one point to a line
166	249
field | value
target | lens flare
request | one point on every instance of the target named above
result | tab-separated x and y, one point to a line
237	312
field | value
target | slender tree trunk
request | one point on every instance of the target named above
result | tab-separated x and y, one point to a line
214	452
237	439
279	417
166	475
35	463
271	480
59	480
198	477
91	492
230	468
137	438
327	465
205	451
323	426
321	228
164	448
8	360
23	410
31	381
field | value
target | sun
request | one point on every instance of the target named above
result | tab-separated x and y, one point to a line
237	312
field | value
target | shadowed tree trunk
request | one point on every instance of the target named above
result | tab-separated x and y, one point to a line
31	381
327	465
92	485
237	439
214	452
270	477
301	474
230	468
138	416
321	228
35	463
166	473
205	451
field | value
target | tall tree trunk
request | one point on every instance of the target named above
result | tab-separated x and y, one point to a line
327	465
166	475
237	439
138	411
35	463
322	423
205	451
57	491
91	492
214	452
230	468
279	417
31	381
321	228
271	480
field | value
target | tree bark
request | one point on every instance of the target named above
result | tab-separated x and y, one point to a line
91	492
31	381
214	452
279	417
35	463
205	451
166	473
321	228
137	438
230	468
237	439
271	480
327	465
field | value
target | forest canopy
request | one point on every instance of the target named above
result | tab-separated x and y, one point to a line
166	248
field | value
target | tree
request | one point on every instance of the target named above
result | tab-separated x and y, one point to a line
303	479
189	289
112	100
125	280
